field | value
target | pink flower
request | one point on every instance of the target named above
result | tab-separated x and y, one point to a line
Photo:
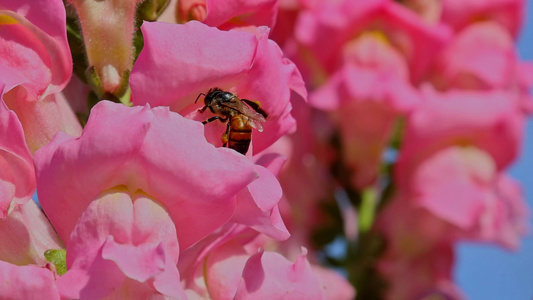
451	187
368	95
124	245
455	149
44	65
17	179
366	116
480	57
460	13
227	265
418	244
230	13
460	185
25	231
489	121
341	23
430	275
36	66
186	177
246	64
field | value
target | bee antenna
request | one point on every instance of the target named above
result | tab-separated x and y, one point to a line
199	97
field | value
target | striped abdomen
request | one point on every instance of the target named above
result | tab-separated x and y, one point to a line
240	134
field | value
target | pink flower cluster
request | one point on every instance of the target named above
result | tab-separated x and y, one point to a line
143	201
437	85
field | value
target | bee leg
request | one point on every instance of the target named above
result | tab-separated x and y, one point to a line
202	109
225	136
201	94
223	120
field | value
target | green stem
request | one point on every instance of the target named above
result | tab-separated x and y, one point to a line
367	209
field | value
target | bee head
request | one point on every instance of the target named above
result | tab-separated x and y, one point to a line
211	94
216	95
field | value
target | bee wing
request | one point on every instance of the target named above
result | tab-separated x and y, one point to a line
256	124
255	105
252	114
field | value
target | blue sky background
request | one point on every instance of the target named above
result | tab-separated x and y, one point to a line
487	272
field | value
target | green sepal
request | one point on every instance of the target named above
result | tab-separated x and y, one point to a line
58	257
150	10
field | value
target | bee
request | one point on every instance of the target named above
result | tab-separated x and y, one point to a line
240	116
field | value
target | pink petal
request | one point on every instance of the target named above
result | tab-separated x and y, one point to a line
257	206
139	263
490	121
268	275
111	244
372	51
186	10
513	213
37	65
26	61
27	282
86	265
369	102
17	179
460	13
270	81
191	262
224	270
340	23
238	13
26	234
454	184
173	74
480	57
42	119
334	285
359	84
430	274
45	24
272	161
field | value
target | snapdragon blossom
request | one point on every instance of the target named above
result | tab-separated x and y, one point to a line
248	65
35	67
25	231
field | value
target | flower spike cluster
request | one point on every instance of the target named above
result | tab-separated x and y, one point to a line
378	135
425	103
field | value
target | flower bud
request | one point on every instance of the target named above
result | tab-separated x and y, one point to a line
108	32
